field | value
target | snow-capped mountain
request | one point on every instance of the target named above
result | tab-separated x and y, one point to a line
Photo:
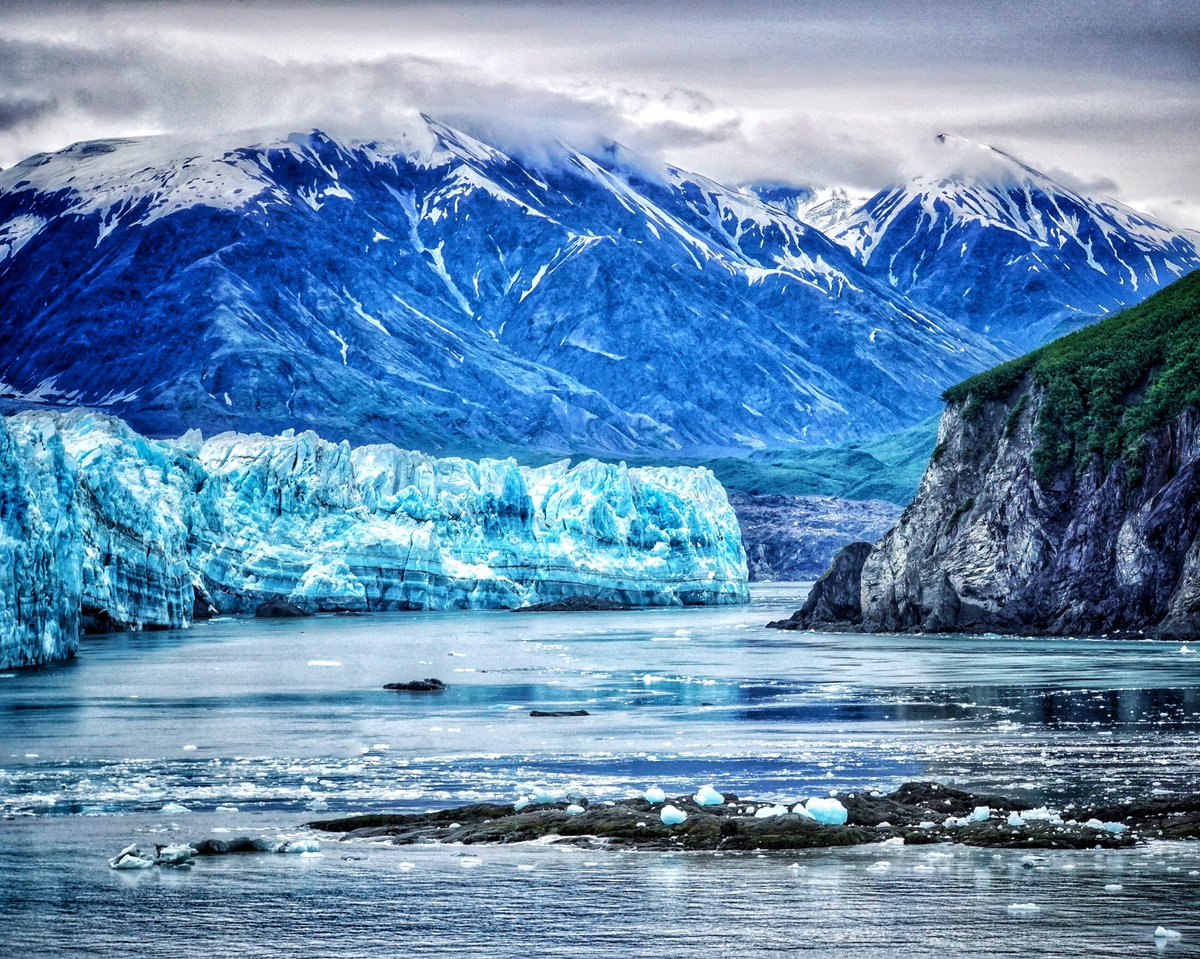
821	207
1009	252
438	293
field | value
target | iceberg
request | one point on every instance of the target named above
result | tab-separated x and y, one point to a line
707	796
102	529
672	815
654	795
828	812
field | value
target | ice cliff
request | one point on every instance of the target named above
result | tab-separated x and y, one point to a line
101	528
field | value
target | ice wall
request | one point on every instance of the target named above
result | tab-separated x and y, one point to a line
148	526
40	550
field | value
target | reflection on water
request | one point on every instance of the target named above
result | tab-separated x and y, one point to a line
277	718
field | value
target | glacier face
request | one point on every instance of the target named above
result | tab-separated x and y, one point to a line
449	297
132	532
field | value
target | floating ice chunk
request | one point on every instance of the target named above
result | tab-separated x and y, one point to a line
544	796
174	808
770	812
1162	932
654	796
1015	820
1116	828
1024	907
522	803
470	862
1186	650
175	855
526	867
406	867
881	866
1095	824
574	810
1030	861
1113	887
317	805
894	841
130	858
324	663
226	809
926	824
707	796
189	748
672	816
981	814
291	846
829	812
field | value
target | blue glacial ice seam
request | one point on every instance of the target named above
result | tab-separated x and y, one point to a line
101	528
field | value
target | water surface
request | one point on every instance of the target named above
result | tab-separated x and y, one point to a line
286	720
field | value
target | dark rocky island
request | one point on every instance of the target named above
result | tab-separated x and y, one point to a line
917	813
1063	497
429	685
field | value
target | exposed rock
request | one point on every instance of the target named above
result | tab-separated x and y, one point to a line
429	685
789	538
834	598
986	548
557	713
279	609
575	604
919	813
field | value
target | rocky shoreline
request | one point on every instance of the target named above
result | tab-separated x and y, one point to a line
919	813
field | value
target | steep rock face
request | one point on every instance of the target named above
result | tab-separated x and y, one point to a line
984	547
789	538
132	533
835	598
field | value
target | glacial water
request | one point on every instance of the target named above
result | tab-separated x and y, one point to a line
144	736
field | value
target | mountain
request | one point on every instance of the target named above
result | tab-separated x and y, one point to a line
820	207
1010	252
438	293
1063	496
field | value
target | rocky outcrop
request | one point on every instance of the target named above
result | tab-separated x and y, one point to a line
835	597
790	538
988	547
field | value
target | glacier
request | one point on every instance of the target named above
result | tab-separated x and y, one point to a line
102	528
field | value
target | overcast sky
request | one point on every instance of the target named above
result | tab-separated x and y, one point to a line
1103	94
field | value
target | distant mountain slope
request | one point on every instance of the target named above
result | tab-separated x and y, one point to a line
449	298
1010	252
888	468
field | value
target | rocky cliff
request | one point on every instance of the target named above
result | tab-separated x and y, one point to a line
1063	496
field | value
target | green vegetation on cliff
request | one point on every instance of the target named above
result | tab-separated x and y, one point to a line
1108	385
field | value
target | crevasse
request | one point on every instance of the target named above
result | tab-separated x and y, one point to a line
102	528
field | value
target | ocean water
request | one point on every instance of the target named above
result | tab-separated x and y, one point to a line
144	736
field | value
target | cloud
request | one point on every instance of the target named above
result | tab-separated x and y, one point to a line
21	112
830	92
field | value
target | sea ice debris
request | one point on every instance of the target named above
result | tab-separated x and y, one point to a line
707	796
672	816
829	812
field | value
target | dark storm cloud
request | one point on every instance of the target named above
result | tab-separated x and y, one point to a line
15	113
827	91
